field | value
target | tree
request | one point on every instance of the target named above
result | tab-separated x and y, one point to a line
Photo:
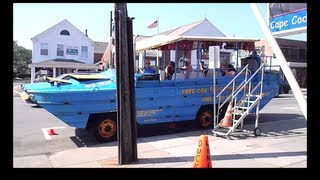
21	58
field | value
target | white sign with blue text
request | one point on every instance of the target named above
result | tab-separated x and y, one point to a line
287	17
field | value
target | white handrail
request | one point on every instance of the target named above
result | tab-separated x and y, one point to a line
232	80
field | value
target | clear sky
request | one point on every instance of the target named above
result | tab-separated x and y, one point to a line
233	19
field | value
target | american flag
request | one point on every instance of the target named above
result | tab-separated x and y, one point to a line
153	25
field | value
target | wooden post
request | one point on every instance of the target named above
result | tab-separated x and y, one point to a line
132	70
126	117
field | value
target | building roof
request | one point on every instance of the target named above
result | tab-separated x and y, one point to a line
182	30
60	24
203	28
63	63
100	47
140	37
291	42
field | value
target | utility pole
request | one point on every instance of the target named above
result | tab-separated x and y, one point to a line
126	105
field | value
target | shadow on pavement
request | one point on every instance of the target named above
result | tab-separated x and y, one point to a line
222	157
270	117
85	138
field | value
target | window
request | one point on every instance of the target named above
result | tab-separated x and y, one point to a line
44	49
65	32
303	55
294	54
84	51
60	50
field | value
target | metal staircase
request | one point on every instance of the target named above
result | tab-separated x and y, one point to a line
245	97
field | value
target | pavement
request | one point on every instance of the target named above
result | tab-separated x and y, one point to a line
282	144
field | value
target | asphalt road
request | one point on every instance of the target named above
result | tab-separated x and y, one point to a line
31	124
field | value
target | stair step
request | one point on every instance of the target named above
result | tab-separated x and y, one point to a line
221	128
252	95
242	107
249	101
220	133
237	113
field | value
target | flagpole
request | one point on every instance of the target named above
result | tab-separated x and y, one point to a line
158	25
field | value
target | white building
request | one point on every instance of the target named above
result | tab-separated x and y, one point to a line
61	49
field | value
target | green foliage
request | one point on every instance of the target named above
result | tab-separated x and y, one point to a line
21	58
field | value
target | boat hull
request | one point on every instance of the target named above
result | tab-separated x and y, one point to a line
156	101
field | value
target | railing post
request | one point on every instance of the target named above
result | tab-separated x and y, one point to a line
262	72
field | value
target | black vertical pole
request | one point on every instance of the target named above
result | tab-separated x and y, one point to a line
118	73
111	58
111	23
127	143
132	95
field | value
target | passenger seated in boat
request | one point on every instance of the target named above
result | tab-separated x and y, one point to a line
187	68
253	63
223	69
230	71
203	69
148	68
138	70
169	70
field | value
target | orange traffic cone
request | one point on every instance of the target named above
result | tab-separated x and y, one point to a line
203	157
227	120
51	132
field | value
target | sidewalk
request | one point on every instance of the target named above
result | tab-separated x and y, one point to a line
281	144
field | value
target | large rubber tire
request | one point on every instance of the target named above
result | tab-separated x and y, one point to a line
205	118
106	128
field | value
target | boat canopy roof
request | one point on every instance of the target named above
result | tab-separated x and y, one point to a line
168	42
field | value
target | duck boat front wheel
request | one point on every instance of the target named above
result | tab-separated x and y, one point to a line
106	130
